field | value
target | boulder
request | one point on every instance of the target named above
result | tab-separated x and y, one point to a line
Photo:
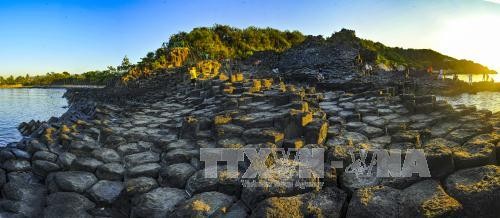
14	165
85	164
45	155
65	160
105	192
428	199
148	170
43	167
374	201
178	156
439	156
176	175
141	158
159	202
473	155
106	155
140	185
325	203
71	199
74	181
110	171
316	132
478	189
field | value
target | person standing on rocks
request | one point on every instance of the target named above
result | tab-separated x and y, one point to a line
193	75
470	79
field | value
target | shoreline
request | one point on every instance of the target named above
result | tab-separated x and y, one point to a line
54	87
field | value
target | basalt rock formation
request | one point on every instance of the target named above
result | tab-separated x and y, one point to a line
137	154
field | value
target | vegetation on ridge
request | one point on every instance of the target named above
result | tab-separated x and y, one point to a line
225	42
215	43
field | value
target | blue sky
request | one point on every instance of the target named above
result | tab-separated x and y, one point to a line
81	35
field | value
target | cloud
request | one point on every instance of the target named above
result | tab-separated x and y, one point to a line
493	1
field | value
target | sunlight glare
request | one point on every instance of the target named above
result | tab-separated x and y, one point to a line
476	38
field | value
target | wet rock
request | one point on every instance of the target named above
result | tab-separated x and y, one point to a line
43	167
65	211
141	158
106	155
16	165
178	156
71	199
32	194
3	177
176	175
23	177
206	204
327	202
159	202
105	192
85	164
140	185
374	201
147	170
473	155
110	171
45	155
20	154
428	199
478	189
83	146
20	208
5	154
74	181
66	159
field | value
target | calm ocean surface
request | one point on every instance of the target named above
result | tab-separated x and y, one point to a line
482	100
23	105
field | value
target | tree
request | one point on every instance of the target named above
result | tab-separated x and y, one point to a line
125	66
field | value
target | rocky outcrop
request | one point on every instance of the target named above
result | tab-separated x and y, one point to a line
137	154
